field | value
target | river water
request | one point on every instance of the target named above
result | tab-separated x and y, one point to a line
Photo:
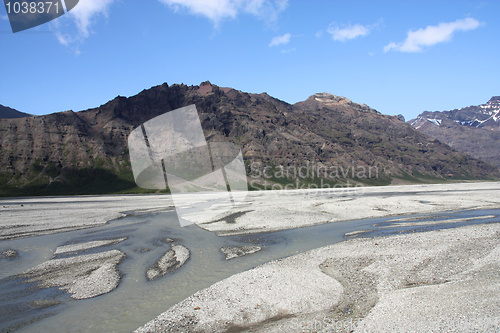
137	300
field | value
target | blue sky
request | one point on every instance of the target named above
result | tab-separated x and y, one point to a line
396	56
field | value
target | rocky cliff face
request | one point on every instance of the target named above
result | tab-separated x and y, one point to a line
474	130
86	152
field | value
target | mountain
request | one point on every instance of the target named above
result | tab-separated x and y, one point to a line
474	130
6	112
86	152
485	116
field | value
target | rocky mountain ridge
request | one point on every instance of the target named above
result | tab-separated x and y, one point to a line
486	116
6	112
474	130
86	152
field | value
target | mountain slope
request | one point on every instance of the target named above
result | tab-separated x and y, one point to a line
474	130
387	140
486	116
6	112
86	152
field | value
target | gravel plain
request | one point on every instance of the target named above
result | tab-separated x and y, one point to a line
278	210
25	217
438	281
260	211
83	276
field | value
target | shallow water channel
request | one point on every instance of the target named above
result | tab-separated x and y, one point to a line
137	300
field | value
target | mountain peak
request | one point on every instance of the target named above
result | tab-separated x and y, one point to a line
485	116
473	130
494	100
330	99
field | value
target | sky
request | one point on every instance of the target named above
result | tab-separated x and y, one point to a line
398	57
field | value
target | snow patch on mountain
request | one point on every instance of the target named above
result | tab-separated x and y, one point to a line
435	121
485	116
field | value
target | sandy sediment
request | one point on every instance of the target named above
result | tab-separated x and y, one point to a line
83	276
9	254
24	217
170	261
278	210
444	280
251	296
100	281
440	221
449	279
260	211
232	252
88	245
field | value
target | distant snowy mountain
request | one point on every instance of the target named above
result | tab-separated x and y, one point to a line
474	130
485	116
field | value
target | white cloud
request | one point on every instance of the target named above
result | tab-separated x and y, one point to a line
280	40
416	41
216	10
213	9
86	11
62	38
81	17
349	32
4	17
265	9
